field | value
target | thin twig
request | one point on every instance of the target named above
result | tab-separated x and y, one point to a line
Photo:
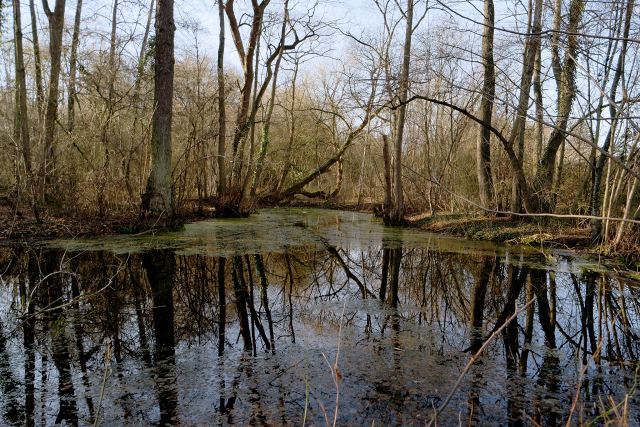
582	372
473	359
96	422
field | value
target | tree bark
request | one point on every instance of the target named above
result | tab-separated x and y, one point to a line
565	80
157	202
398	212
246	59
56	26
531	47
485	183
22	107
264	146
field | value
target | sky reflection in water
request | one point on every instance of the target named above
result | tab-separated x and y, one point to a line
236	322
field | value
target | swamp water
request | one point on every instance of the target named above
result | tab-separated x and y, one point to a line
243	322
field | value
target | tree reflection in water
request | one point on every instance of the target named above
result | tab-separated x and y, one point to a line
215	340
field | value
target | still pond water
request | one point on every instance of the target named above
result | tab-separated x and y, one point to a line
244	322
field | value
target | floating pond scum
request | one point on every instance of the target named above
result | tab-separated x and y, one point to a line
304	316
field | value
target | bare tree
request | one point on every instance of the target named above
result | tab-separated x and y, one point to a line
485	183
73	59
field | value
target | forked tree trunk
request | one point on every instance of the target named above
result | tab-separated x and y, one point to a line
565	80
266	125
246	59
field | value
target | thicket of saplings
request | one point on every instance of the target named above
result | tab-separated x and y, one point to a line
100	167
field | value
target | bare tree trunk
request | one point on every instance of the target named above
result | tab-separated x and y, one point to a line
596	225
386	209
537	99
486	108
246	59
398	212
565	80
110	107
56	26
73	57
156	202
37	61
531	47
222	119
631	193
141	61
264	146
287	163
22	107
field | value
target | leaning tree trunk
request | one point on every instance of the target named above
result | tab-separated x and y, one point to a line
486	108
156	202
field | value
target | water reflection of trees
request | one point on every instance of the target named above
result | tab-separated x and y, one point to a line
63	307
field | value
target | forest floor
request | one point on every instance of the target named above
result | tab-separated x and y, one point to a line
21	226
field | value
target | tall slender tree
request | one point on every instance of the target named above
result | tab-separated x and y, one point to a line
486	107
37	62
22	107
73	58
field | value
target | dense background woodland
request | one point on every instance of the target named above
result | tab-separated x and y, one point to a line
416	104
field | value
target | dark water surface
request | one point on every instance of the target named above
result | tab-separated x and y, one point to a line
243	322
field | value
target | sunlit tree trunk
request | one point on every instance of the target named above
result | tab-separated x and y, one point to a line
398	211
266	125
565	81
596	225
156	202
247	60
486	108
